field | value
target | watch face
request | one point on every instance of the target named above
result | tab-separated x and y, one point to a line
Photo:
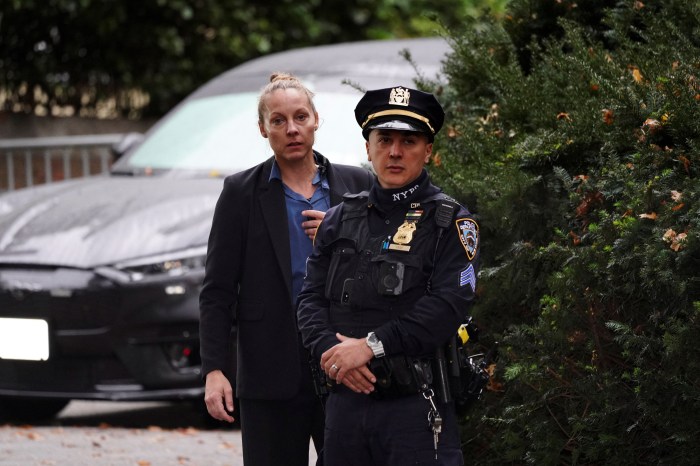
375	345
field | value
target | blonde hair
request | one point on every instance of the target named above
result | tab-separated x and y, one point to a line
280	80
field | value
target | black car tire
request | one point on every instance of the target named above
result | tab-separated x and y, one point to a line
30	409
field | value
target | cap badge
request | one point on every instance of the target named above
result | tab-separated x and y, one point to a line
399	96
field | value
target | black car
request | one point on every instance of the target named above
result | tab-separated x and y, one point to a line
100	276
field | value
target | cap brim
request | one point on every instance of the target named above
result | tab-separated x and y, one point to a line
397	125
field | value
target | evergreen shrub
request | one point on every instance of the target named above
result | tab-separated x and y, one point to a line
573	131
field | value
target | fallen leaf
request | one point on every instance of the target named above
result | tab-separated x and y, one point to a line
651	126
33	436
608	116
575	238
669	235
637	75
677	243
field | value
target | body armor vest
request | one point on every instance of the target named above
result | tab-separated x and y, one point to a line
369	280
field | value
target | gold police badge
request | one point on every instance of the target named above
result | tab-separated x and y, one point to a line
404	234
399	96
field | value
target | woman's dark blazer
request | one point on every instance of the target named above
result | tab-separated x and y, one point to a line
248	281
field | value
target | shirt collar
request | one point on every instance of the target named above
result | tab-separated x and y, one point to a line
387	198
276	174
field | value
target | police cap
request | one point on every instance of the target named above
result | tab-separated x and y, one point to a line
399	108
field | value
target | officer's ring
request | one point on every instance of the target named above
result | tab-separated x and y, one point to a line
336	368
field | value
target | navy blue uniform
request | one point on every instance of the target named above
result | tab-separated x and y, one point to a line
413	312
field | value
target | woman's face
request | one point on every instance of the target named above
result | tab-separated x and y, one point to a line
398	157
289	122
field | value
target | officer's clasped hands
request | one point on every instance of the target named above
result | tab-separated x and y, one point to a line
346	363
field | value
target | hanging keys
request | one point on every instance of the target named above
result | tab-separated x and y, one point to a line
436	425
434	419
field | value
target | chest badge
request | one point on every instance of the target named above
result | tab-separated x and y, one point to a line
404	234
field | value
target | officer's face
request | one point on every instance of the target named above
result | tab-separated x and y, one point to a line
289	123
397	157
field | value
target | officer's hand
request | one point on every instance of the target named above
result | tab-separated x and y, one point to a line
349	354
218	396
360	380
313	220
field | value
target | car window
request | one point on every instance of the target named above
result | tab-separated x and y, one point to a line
220	135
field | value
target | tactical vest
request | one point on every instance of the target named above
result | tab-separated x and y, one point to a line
372	278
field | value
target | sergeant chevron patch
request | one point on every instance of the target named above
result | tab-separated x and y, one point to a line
467	276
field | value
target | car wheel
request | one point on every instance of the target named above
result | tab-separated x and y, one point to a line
30	409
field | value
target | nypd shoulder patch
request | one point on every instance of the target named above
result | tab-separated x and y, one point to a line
468	231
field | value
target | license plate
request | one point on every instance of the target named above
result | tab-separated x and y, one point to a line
26	339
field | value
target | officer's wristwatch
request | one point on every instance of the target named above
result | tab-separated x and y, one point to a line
375	345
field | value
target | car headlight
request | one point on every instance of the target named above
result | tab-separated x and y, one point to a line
161	266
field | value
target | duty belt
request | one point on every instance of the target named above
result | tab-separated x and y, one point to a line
399	376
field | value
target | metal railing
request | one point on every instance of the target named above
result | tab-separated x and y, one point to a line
31	161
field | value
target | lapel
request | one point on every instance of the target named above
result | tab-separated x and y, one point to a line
335	182
271	197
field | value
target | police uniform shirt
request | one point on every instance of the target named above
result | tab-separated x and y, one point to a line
432	317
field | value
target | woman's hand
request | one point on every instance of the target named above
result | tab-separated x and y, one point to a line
313	220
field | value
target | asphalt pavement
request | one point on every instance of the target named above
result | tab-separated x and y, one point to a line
96	433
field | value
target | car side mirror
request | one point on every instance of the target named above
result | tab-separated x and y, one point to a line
128	142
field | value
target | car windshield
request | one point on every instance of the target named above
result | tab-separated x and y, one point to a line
219	135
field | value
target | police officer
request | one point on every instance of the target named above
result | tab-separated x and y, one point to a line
391	278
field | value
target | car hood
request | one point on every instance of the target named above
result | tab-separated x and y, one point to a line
105	220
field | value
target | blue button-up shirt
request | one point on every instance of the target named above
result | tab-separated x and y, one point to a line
299	244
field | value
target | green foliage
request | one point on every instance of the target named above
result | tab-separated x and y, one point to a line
579	147
99	58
